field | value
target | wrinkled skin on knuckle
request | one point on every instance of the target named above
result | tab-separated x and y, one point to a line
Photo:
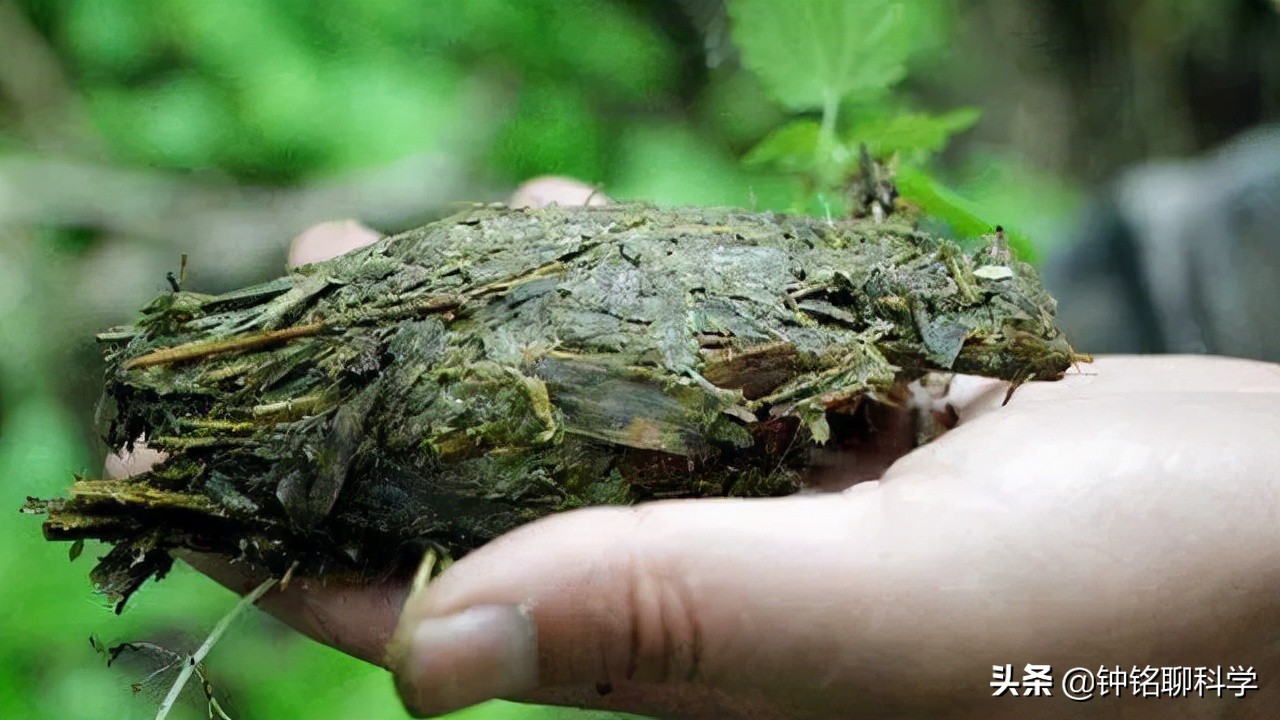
651	629
665	643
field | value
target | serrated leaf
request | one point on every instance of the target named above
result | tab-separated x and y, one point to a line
911	132
941	202
965	217
790	148
810	54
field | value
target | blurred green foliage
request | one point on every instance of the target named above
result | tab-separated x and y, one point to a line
278	93
263	96
286	89
834	56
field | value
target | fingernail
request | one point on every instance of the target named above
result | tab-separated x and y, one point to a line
458	660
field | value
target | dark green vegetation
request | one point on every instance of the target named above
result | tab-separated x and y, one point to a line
447	384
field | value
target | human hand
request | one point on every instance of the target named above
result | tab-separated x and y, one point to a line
1126	515
1123	516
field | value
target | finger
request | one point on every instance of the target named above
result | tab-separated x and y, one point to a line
707	594
1162	374
555	190
967	393
969	397
127	463
356	619
1121	375
329	240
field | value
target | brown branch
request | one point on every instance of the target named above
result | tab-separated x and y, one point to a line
205	348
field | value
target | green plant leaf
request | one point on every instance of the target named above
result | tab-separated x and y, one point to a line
790	148
966	218
914	133
810	54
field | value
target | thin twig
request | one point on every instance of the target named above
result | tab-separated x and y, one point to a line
198	656
204	348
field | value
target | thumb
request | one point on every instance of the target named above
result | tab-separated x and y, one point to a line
707	595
